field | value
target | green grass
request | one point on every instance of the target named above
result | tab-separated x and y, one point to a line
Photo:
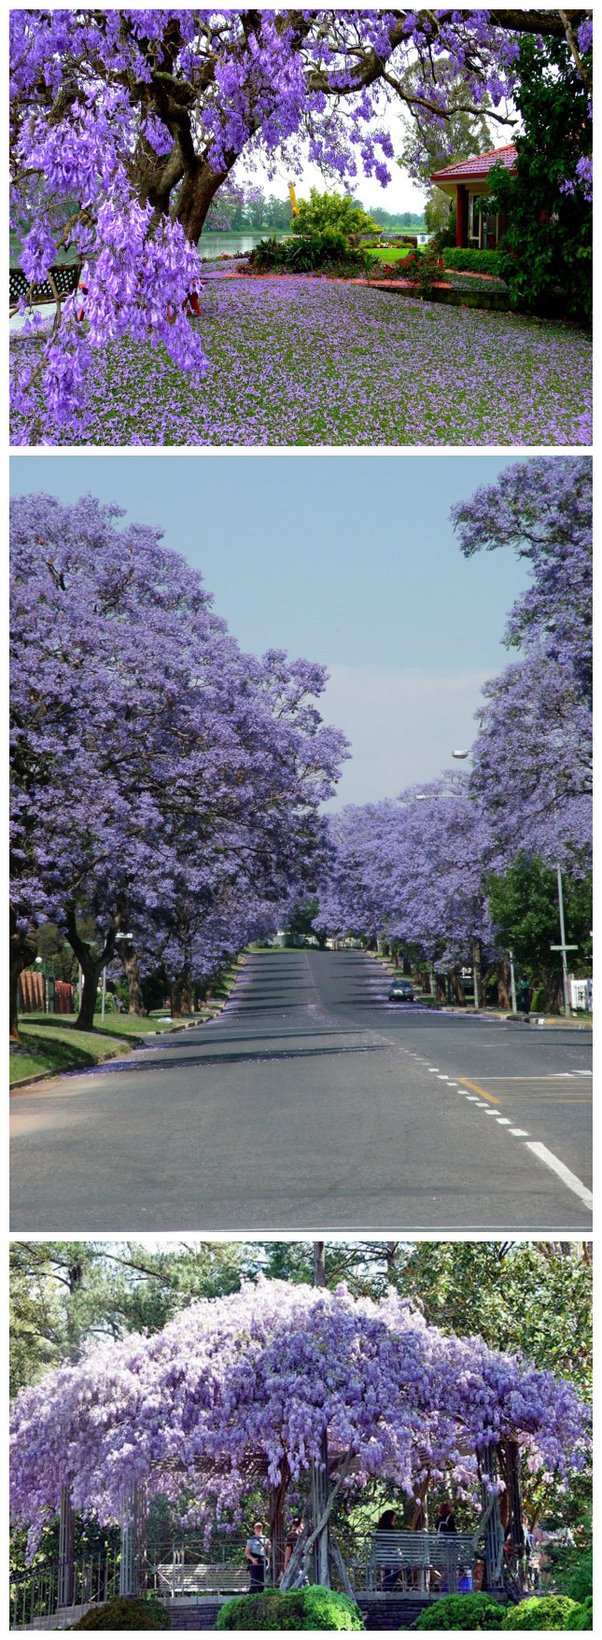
51	1043
384	253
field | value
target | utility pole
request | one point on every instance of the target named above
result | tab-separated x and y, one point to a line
563	947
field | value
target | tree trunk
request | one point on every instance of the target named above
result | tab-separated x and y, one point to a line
503	986
23	947
132	973
457	988
91	968
197	193
182	994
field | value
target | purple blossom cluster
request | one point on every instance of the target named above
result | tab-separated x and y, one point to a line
257	1379
166	785
300	361
125	125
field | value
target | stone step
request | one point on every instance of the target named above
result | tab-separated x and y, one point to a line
194	1615
391	1614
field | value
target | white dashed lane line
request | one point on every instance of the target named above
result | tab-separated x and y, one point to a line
541	1151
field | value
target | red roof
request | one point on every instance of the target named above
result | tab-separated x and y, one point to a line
479	166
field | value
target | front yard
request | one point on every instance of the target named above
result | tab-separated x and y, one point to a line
305	361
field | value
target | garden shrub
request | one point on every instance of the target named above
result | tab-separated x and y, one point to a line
473	261
313	1608
548	1611
125	1613
583	1618
307	253
461	1611
423	268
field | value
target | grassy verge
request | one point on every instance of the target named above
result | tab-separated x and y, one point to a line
51	1044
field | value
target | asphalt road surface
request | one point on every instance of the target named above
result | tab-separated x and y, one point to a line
315	1104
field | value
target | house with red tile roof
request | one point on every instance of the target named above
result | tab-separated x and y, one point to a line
468	180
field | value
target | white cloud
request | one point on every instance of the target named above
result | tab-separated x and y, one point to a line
403	724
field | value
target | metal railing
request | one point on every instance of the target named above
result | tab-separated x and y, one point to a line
35	1595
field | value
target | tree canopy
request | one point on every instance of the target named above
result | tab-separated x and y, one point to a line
166	786
250	1384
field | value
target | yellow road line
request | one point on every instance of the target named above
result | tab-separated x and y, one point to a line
476	1089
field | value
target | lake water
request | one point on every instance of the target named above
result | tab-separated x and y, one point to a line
214	244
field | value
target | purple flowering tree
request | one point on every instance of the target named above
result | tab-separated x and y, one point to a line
166	786
126	124
252	1386
411	870
532	756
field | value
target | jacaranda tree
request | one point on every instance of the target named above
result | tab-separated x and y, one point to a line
532	756
126	124
153	762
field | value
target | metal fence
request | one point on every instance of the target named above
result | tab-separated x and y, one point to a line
35	1595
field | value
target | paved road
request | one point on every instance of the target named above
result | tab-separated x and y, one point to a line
314	1104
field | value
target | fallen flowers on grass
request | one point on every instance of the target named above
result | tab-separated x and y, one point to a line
303	361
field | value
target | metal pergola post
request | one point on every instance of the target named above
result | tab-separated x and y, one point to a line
494	1531
66	1578
133	1520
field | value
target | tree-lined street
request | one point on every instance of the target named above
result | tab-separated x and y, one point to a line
313	1101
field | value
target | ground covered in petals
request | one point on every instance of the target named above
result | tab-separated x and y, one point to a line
306	361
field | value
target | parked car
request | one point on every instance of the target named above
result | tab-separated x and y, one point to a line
401	989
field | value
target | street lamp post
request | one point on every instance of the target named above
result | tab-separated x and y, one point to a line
512	982
461	754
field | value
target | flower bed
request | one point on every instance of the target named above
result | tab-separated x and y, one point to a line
305	361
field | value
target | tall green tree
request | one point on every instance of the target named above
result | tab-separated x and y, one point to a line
523	904
548	202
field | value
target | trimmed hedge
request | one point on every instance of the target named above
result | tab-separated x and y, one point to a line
124	1613
550	1611
461	1611
313	1608
467	261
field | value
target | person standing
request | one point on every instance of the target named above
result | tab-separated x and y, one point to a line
257	1549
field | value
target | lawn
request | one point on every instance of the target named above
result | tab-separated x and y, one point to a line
392	253
51	1042
302	361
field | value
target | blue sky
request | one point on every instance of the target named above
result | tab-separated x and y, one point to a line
348	560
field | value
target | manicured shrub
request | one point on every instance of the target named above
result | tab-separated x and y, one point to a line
461	1611
124	1613
313	1608
472	261
550	1611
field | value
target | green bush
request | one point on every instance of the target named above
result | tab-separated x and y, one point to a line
583	1618
461	1611
550	1611
322	213
472	261
313	1608
124	1613
306	253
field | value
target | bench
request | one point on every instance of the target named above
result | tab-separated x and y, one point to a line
179	1577
407	1559
61	281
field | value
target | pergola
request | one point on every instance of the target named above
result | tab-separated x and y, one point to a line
291	1388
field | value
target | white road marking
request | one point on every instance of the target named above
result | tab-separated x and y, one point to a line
519	1133
504	1121
564	1173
